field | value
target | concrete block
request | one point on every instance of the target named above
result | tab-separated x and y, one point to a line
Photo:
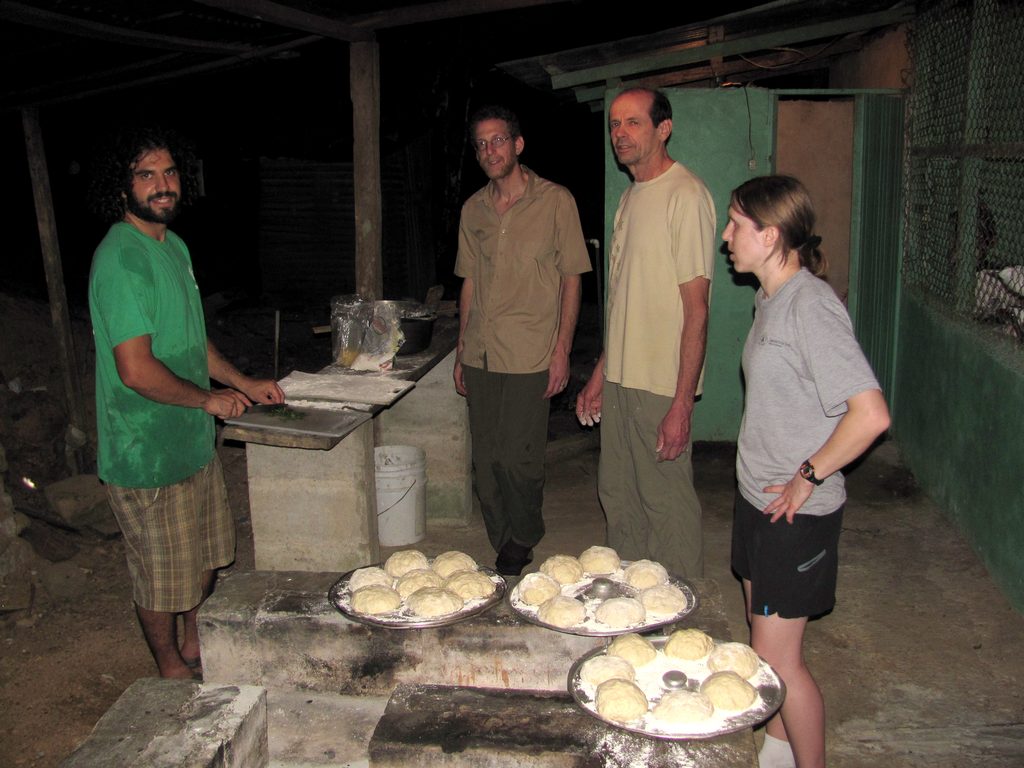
278	629
160	723
313	729
481	728
314	510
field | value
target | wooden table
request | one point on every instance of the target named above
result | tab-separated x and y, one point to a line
312	489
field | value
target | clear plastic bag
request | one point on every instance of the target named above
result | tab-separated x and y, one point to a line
350	316
365	335
382	337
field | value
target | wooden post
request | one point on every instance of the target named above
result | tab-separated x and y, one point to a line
364	86
54	272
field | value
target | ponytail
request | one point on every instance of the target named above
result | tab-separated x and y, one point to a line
811	258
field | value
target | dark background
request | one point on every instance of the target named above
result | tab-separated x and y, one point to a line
432	76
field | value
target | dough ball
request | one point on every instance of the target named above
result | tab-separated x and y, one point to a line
727	690
633	648
683	707
376	599
644	574
417	579
430	602
537	588
364	577
620	612
564	569
599	560
561	611
734	657
404	561
689	644
470	585
448	563
604	667
663	600
621	701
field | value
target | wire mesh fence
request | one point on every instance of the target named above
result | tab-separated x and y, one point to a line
965	184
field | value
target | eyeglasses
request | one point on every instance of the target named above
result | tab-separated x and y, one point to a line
496	143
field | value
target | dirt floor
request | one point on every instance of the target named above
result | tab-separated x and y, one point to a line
68	656
920	666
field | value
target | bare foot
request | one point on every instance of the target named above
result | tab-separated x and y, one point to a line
178	672
191	657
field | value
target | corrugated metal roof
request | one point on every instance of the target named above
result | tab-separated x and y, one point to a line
742	46
53	51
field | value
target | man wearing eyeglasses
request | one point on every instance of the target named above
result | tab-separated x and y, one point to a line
521	254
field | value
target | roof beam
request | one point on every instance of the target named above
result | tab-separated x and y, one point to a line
160	74
293	18
736	46
361	28
794	60
29	16
442	9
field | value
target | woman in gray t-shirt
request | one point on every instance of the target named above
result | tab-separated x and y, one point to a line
812	405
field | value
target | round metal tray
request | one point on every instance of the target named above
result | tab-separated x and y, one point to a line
589	592
340	596
771	692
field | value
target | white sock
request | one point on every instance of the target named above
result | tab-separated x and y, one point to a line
775	753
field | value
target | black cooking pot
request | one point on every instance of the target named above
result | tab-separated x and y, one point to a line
418	331
416	322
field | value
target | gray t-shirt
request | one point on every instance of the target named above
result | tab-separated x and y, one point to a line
801	363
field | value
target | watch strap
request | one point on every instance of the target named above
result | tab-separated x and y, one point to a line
807	473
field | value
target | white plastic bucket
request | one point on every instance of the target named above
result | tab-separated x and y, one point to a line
401	478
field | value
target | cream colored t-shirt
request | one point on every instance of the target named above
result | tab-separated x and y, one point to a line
664	236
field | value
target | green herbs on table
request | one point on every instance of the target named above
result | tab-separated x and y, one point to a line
284	412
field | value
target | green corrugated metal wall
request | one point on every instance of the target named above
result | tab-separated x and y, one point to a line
875	238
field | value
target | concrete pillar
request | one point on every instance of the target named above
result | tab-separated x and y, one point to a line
314	510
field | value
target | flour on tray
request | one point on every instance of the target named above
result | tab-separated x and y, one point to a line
650	679
590	625
404	617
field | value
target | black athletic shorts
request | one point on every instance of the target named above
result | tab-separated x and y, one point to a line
791	568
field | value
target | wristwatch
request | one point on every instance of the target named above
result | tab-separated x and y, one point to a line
807	473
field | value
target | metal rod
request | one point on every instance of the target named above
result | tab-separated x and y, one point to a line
277	338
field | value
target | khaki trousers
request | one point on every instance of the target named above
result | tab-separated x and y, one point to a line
651	507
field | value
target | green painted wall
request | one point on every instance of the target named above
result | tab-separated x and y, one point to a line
960	424
725	137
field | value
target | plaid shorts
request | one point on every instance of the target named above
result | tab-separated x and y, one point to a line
173	535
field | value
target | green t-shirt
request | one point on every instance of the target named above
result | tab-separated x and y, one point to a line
142	287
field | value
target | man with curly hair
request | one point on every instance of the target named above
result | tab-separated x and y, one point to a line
155	407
